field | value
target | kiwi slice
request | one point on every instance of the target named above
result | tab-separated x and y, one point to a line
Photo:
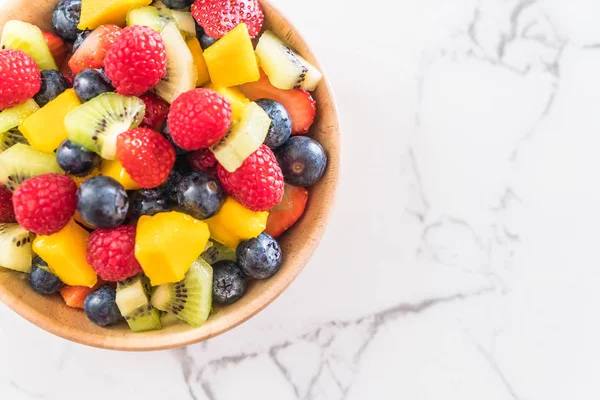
191	299
19	35
15	248
218	252
156	19
14	116
244	138
167	319
20	162
181	73
134	304
96	124
10	138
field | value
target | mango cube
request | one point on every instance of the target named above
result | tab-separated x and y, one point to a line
65	253
167	244
231	60
236	98
45	128
235	223
115	170
99	12
198	54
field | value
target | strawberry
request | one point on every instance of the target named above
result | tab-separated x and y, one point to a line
218	17
66	71
7	213
92	51
156	112
57	47
286	213
146	155
299	104
203	160
20	78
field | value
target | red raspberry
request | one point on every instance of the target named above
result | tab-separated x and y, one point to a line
20	78
137	60
258	183
218	17
46	203
156	112
199	118
7	214
203	160
146	155
111	252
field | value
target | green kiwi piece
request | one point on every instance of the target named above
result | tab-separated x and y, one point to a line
167	319
133	301
218	252
21	162
10	138
96	124
15	247
157	18
19	35
14	116
191	299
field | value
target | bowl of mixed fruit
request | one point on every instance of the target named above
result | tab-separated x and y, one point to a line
166	168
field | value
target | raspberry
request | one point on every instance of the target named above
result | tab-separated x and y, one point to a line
199	118
111	252
156	112
258	183
46	203
146	155
203	160
137	60
218	17
7	213
20	78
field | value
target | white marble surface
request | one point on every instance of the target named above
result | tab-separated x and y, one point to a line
473	221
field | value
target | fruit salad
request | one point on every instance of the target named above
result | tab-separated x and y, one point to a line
151	155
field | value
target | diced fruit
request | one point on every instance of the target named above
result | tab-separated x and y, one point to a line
243	139
65	254
102	202
10	138
181	73
147	202
66	71
203	160
97	12
19	35
81	36
96	124
75	160
191	299
92	51
167	244
20	78
110	253
220	17
80	179
234	223
216	252
7	213
53	84
302	160
91	83
288	211
45	129
57	47
101	307
115	170
229	282
260	257
133	300
65	18
285	68
74	296
231	61
281	124
194	45
236	98
299	103
15	247
200	195
41	279
156	112
157	19
21	162
14	116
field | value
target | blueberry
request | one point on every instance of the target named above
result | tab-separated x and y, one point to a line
178	150
81	36
90	83
229	282
302	161
65	18
178	4
207	41
199	30
259	258
281	124
41	279
53	84
102	202
75	159
170	186
200	195
147	202
101	307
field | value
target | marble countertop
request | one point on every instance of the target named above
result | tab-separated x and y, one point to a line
468	199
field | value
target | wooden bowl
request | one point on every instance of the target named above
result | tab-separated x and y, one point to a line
51	314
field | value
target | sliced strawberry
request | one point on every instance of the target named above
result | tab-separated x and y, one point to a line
57	47
66	71
286	213
298	103
93	49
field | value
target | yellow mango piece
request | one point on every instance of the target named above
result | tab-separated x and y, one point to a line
64	252
236	98
198	54
115	170
45	128
167	244
231	60
99	12
234	223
